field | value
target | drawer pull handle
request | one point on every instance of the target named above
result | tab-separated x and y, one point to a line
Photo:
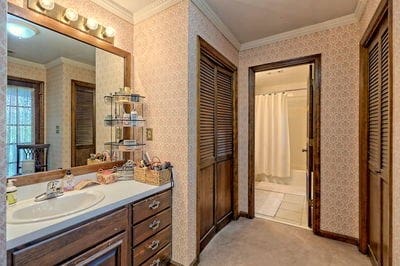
155	224
154	245
154	205
155	262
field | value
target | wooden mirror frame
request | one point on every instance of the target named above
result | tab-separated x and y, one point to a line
68	31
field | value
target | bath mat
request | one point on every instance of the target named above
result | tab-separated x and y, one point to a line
296	190
267	202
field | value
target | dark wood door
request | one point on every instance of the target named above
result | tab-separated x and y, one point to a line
113	252
215	177
378	145
83	121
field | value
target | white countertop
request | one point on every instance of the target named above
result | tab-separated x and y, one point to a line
116	195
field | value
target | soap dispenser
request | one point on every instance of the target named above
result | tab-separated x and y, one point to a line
11	195
68	181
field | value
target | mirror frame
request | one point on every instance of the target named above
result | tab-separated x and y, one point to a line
68	31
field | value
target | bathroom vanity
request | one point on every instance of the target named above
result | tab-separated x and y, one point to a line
130	226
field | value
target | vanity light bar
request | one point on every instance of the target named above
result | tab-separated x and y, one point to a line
72	18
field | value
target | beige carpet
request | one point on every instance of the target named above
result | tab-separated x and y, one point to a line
260	242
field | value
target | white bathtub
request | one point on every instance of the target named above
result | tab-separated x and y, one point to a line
298	177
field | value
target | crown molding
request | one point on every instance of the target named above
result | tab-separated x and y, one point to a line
25	62
213	17
116	9
360	8
333	23
67	61
152	9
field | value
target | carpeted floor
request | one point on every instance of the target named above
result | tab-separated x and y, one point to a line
260	242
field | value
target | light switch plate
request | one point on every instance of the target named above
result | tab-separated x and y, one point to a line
149	134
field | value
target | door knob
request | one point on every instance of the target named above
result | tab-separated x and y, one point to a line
304	150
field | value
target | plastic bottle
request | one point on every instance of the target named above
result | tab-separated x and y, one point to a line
134	117
11	192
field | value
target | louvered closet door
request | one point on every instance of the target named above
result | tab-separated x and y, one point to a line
378	145
224	146
215	181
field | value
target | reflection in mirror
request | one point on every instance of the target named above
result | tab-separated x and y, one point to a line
55	98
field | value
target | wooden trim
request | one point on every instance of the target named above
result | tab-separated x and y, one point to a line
316	60
60	173
339	237
385	8
74	84
66	30
244	215
204	47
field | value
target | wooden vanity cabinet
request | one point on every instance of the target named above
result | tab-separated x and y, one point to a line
138	234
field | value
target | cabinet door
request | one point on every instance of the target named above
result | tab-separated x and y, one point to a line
112	252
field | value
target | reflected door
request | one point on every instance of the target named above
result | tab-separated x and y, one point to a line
83	121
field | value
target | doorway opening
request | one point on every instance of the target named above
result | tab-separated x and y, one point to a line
284	142
281	100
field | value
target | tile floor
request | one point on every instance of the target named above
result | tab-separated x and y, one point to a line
260	242
291	209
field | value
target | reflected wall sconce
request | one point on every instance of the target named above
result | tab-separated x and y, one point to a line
71	17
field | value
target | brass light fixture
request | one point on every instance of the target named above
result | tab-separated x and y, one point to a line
72	18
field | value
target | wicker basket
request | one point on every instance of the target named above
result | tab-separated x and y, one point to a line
139	174
152	177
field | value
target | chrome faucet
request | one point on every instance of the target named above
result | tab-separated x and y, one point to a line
54	190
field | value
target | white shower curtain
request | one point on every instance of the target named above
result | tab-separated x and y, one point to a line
272	149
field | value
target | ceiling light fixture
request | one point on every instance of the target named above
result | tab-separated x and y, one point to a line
71	14
109	32
92	24
21	30
47	4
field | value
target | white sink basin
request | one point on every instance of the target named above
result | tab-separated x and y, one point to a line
29	211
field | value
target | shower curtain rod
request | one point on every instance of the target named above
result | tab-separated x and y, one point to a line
283	91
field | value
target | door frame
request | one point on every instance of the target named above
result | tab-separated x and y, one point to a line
384	8
316	94
204	46
74	84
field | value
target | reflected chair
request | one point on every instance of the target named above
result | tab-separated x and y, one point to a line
37	152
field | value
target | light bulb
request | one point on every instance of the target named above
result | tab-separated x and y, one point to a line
92	24
109	32
71	14
47	4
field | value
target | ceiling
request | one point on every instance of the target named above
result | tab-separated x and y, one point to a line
48	46
250	20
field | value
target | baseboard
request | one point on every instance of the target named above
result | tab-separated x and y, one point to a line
339	237
244	215
195	262
372	257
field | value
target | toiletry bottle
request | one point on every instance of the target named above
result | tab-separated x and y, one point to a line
11	195
68	181
134	117
126	117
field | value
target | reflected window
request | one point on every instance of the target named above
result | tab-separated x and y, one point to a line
21	109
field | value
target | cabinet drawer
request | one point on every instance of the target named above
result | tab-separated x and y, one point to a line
151	206
151	226
151	246
161	258
68	244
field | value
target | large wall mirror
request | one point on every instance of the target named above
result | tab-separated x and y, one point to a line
55	97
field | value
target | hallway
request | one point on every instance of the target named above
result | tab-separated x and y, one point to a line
260	242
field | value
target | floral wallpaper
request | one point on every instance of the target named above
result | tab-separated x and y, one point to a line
161	74
3	85
396	132
339	119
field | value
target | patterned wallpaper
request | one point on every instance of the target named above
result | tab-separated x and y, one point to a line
3	84
109	78
23	71
161	74
339	119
